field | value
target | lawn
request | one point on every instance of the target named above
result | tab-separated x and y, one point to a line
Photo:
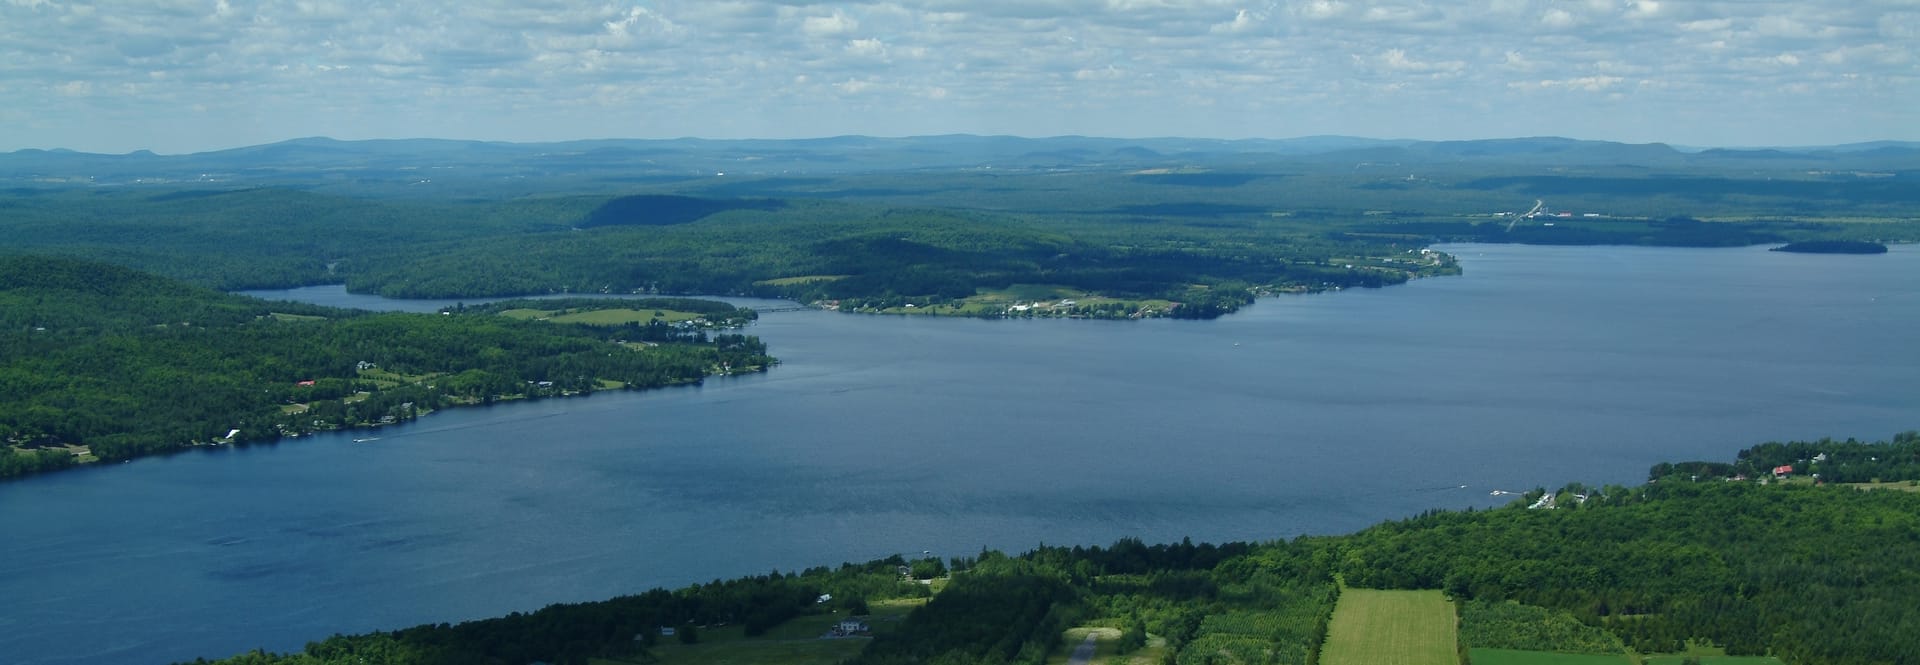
1372	627
1516	657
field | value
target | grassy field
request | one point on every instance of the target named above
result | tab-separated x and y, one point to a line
1900	486
281	316
1707	660
601	317
1707	656
1106	641
1373	627
803	279
1516	657
1040	297
387	379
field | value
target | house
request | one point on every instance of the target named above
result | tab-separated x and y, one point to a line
1783	471
851	626
308	383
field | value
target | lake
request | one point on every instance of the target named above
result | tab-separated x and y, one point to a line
1299	415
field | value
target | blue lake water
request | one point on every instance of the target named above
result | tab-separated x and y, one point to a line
1306	414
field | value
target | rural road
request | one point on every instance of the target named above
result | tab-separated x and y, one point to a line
1082	653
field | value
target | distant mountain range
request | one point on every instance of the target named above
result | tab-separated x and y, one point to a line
403	160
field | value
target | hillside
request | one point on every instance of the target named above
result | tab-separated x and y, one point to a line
102	363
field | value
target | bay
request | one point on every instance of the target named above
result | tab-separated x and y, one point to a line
880	435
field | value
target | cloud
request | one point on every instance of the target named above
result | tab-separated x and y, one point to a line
1242	22
129	75
1397	60
867	47
828	26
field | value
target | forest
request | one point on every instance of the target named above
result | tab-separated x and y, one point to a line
102	363
1810	574
1208	228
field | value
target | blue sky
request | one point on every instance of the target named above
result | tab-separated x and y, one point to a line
196	75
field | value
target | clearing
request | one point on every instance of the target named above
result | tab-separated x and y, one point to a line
1372	627
601	317
1106	641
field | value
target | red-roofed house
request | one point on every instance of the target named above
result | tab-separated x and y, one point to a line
307	382
1783	470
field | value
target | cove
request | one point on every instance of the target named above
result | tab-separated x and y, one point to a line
1298	415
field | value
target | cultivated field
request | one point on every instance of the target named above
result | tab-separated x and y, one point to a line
1390	628
1517	657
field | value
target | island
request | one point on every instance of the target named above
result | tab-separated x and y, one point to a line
1832	247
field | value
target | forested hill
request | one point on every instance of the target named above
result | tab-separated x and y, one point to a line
1781	571
99	362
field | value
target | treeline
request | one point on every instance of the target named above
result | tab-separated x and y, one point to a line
1848	461
713	308
273	238
1269	603
127	364
623	627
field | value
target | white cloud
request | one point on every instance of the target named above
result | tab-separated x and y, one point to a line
832	25
1242	22
867	47
128	74
1396	59
1587	83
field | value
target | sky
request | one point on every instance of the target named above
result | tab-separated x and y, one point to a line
186	76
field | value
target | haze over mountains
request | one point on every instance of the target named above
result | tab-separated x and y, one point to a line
419	159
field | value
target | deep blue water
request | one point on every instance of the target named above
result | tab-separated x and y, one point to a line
1306	414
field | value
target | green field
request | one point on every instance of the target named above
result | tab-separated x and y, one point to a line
1517	657
803	279
1372	627
601	317
1106	648
1677	659
1904	486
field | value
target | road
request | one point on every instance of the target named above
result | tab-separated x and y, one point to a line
1537	205
1083	653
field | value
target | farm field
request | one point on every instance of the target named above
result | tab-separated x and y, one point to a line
1372	627
1518	657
